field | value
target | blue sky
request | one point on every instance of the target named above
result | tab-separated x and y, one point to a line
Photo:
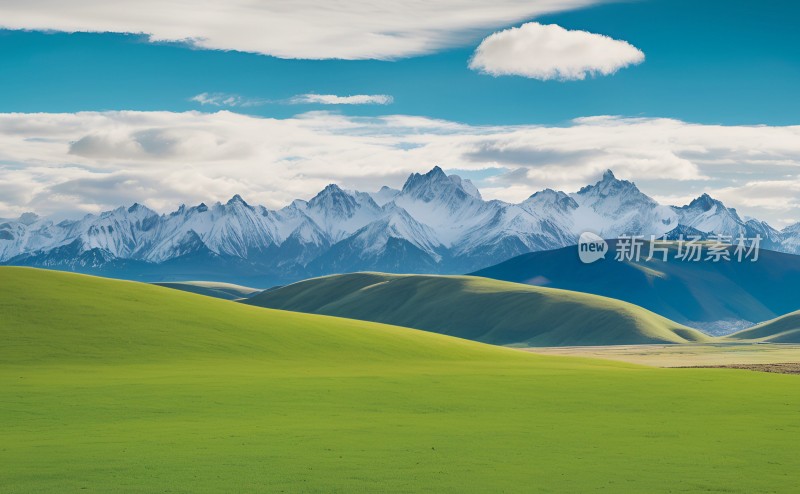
711	108
728	62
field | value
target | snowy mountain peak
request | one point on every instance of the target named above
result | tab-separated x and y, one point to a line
297	204
133	213
236	199
610	185
330	189
705	202
466	185
334	201
436	186
614	207
436	171
610	194
710	215
340	213
790	238
551	198
140	211
755	227
419	185
384	195
794	229
331	192
708	205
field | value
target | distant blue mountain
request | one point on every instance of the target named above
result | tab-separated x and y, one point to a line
717	297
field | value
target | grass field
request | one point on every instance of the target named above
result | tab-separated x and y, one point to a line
479	309
112	386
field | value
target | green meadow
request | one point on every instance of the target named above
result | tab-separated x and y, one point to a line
479	309
114	386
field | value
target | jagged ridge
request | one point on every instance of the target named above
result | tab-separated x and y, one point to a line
436	224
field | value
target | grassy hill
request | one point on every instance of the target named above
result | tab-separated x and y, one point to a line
717	297
54	317
112	386
227	291
479	309
784	329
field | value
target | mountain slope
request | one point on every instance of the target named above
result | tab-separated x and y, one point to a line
226	291
717	297
784	329
113	386
614	207
790	238
478	309
394	242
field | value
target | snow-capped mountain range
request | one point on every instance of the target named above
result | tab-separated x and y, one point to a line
435	224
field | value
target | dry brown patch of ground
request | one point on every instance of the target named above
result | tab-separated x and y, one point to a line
782	368
687	355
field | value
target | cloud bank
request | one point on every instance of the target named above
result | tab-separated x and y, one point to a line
308	29
65	164
548	52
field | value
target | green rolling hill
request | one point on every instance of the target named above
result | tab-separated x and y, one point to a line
479	309
719	297
52	317
784	329
113	386
227	291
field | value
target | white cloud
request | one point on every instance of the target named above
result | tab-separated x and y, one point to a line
226	100
351	29
332	99
548	52
65	164
777	195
